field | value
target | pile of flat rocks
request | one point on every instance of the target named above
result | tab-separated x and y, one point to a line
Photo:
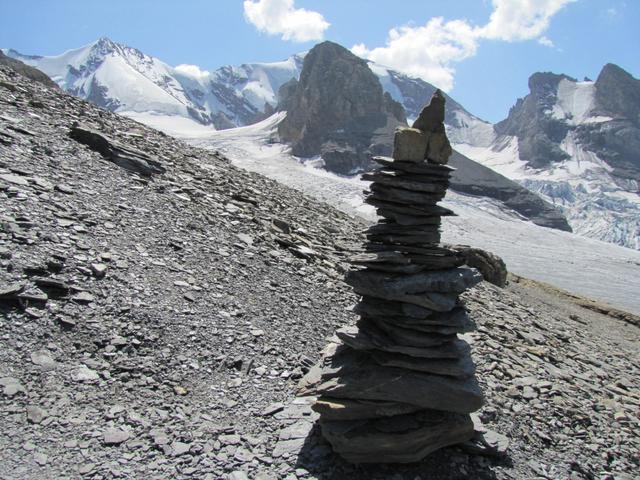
400	383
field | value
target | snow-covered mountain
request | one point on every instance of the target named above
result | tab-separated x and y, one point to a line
577	144
574	143
125	80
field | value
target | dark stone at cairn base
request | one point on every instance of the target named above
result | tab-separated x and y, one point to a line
400	439
342	409
353	375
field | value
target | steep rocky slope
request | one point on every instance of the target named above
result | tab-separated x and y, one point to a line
155	327
26	70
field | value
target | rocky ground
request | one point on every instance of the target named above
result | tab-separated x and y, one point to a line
156	327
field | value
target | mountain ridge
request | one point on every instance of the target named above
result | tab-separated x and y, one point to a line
586	169
577	144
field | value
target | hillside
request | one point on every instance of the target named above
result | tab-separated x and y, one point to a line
154	326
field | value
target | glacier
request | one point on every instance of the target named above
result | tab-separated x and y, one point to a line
579	265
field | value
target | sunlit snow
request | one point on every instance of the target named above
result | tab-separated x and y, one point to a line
580	265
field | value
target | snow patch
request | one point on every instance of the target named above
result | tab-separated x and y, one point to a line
575	101
174	125
470	130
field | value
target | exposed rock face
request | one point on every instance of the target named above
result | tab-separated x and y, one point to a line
26	70
338	110
606	120
580	142
539	134
126	157
617	142
400	384
475	179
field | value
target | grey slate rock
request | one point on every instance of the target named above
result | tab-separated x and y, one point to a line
353	375
123	156
402	439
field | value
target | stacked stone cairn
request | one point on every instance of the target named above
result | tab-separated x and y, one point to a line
400	384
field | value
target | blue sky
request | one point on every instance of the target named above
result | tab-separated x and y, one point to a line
481	51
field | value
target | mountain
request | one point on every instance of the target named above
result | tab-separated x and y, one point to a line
156	327
124	80
345	131
26	70
577	144
338	110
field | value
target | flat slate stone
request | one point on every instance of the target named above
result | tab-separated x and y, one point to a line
403	218
412	211
18	180
353	375
13	289
407	333
367	340
454	280
400	439
459	368
395	258
413	182
431	238
439	172
404	336
374	307
399	196
395	229
393	268
345	409
436	191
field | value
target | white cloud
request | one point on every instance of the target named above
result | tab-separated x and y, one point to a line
546	42
429	51
426	51
280	17
192	71
514	20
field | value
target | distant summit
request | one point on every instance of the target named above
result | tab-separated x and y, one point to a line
338	110
577	143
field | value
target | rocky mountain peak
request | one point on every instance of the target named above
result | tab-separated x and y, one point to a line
542	84
338	110
618	93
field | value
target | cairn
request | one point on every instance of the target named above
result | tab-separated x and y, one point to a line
400	384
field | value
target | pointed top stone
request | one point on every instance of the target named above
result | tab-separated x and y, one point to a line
431	118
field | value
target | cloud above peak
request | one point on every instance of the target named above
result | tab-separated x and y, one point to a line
192	71
516	20
280	17
429	51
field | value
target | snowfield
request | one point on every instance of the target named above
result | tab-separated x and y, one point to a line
583	266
